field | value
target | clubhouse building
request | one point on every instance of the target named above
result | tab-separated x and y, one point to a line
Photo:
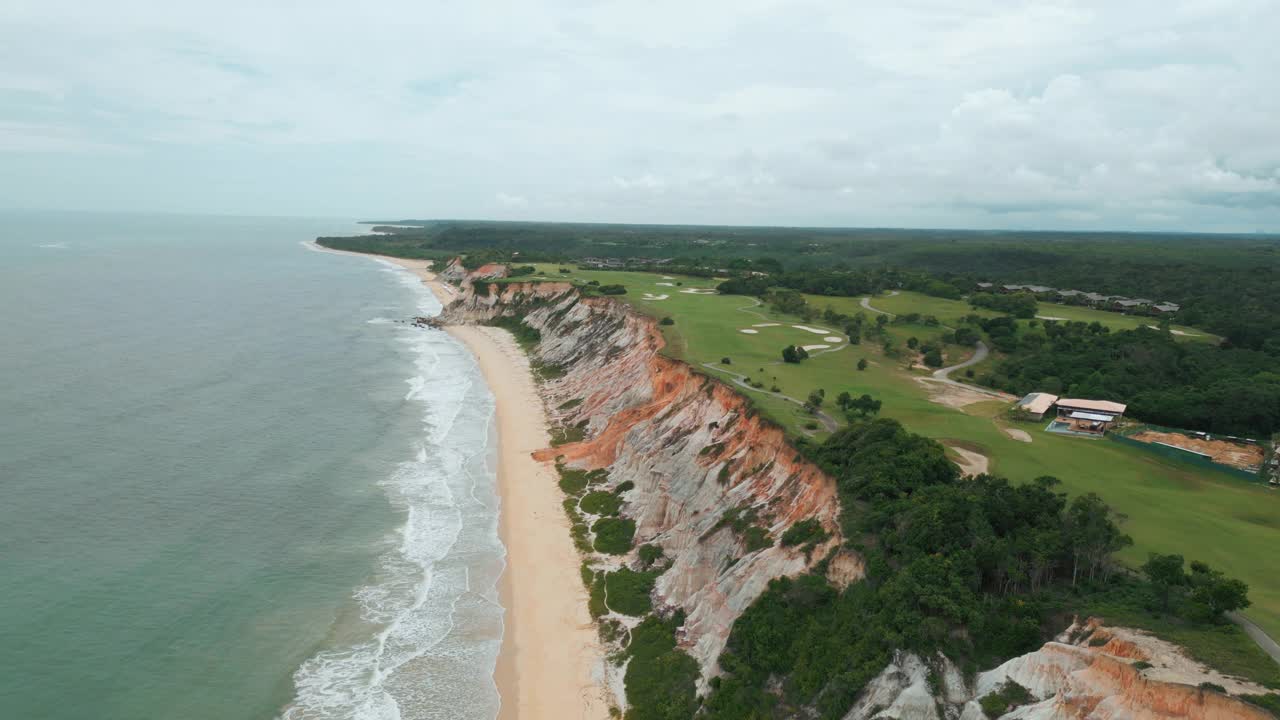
1075	416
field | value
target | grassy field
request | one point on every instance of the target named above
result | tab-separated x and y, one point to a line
950	312
1171	506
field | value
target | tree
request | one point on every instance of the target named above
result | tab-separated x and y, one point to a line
933	358
862	363
1094	535
794	354
843	400
1213	593
863	406
814	400
882	320
667	321
913	342
1165	573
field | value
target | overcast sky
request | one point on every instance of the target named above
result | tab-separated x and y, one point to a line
926	113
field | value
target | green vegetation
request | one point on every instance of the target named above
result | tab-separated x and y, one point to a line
570	404
649	555
613	535
565	434
742	521
627	591
527	337
974	568
1009	696
1021	305
600	503
804	532
660	679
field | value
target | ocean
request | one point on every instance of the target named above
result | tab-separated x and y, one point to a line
233	482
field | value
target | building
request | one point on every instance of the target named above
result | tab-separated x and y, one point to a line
1094	298
1036	404
1127	305
1038	289
1070	293
985	287
1012	288
1167	308
1093	417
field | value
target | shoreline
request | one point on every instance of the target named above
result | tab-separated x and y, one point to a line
549	665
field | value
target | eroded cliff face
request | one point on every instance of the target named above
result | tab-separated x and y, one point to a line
1087	672
693	448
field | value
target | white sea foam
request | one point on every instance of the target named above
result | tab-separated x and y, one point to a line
434	624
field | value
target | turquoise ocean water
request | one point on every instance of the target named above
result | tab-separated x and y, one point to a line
232	485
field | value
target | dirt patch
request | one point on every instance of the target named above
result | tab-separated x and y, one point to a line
969	461
955	395
1019	435
1223	452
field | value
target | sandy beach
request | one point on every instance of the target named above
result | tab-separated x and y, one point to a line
550	661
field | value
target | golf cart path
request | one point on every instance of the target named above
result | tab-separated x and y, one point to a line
1259	636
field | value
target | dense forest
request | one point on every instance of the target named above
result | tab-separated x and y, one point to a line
1163	381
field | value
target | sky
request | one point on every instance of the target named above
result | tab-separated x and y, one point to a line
1134	115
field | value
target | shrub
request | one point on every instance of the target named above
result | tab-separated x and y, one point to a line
571	404
1213	686
650	554
1011	694
756	538
627	591
527	337
725	361
599	502
802	532
614	535
565	434
660	679
624	486
667	321
613	290
1141	665
572	482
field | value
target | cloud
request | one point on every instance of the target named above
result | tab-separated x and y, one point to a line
917	112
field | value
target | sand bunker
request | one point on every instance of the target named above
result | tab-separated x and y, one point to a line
666	284
816	331
1016	434
815	347
766	325
833	338
969	461
667	277
1049	317
651	296
697	291
748	331
1177	332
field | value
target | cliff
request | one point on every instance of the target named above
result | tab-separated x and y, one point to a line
1089	671
692	447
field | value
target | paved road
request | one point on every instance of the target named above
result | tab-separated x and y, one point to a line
978	356
741	381
1264	641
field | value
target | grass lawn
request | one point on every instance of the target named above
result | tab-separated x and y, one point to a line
1171	506
950	312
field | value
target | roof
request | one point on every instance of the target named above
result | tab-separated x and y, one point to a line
1037	402
1168	307
1070	293
984	284
1038	288
1132	303
1012	287
1092	416
1100	405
